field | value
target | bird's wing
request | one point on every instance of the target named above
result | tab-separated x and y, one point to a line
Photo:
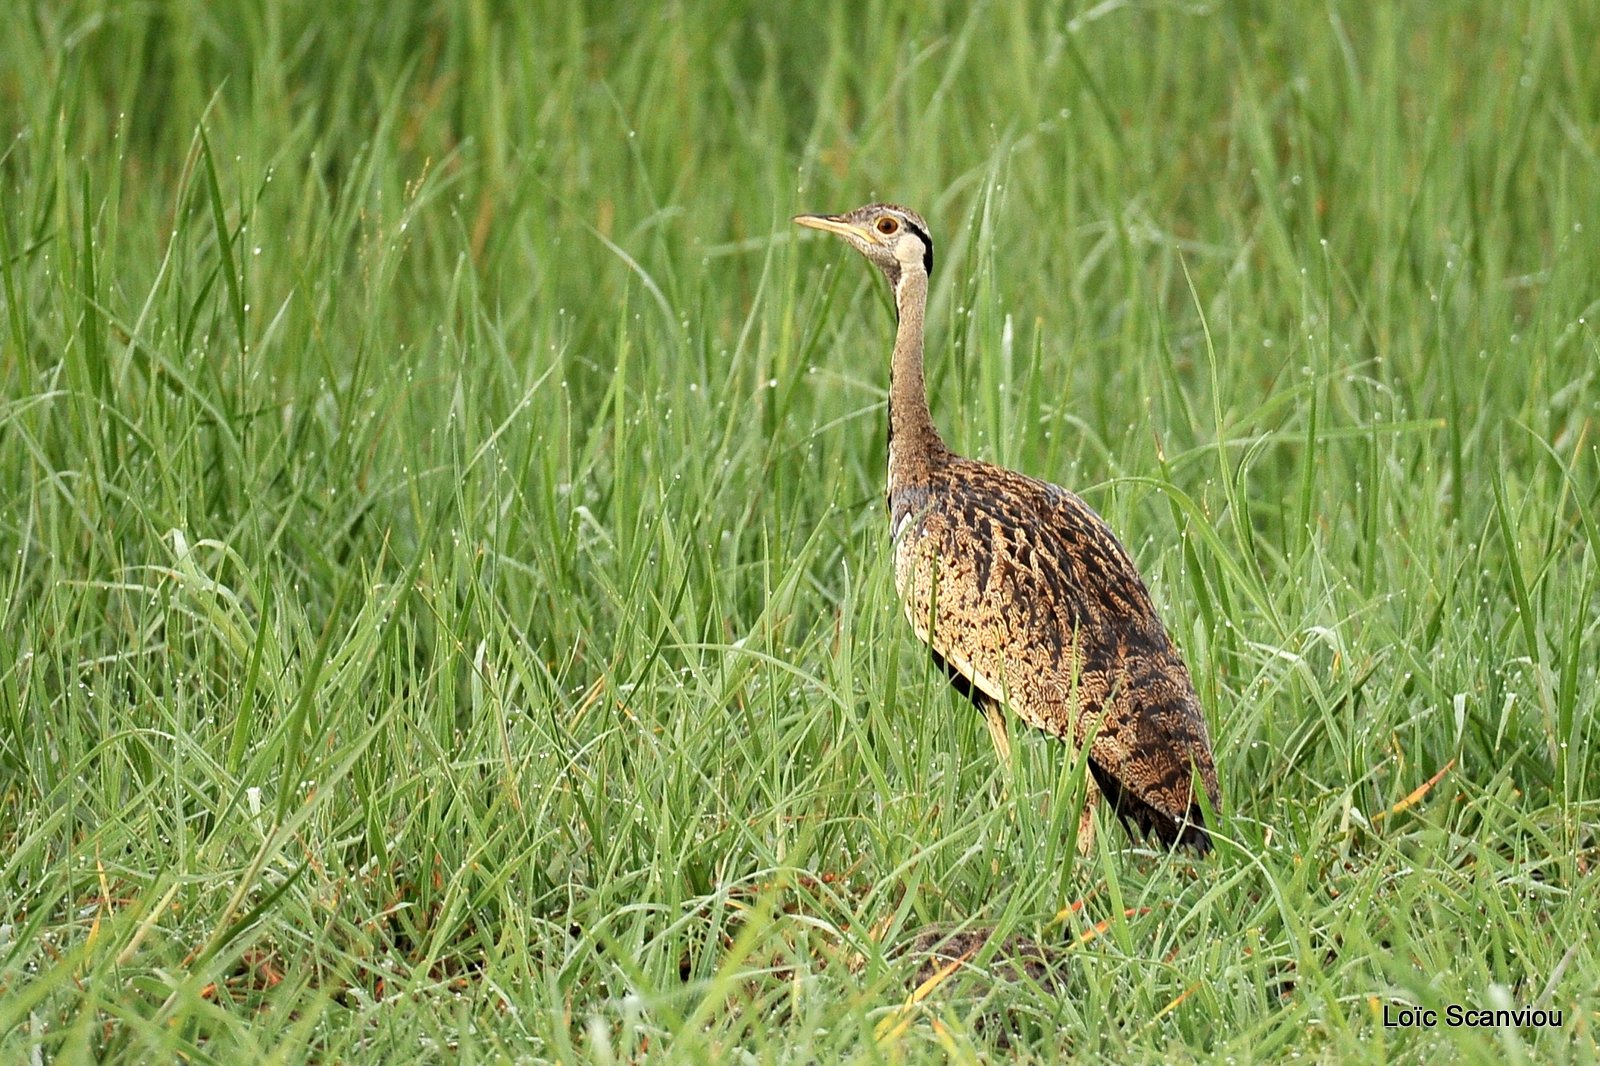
1018	586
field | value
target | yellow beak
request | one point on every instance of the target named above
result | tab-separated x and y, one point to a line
837	224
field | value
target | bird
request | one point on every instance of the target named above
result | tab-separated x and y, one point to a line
1023	594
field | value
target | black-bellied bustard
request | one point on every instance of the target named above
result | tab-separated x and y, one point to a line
1023	594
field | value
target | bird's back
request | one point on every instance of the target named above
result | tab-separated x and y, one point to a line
1026	596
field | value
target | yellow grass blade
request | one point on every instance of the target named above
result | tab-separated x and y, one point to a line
1415	796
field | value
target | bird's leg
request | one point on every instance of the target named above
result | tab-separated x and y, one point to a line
994	716
1091	800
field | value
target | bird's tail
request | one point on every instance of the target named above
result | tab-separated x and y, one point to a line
1141	819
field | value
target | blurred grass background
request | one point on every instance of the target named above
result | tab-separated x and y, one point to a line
445	597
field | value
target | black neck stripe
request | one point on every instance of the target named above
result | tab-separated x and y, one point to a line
927	245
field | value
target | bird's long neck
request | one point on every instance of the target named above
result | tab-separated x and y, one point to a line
914	443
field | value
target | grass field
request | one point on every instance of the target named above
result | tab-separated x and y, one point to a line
446	606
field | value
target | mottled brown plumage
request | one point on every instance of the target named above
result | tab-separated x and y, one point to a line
1022	592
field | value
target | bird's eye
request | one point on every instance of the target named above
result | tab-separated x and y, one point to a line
887	225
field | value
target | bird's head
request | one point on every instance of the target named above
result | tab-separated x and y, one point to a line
894	238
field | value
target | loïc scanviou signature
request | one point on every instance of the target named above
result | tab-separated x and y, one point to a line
1461	1016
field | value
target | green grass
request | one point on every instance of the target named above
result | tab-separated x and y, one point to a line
446	607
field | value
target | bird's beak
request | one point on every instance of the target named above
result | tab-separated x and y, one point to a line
837	224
